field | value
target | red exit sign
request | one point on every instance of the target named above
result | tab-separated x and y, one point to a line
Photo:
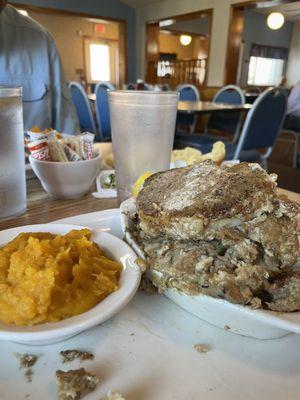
99	28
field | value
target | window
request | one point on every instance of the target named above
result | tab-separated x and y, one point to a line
164	68
99	62
190	71
265	71
267	65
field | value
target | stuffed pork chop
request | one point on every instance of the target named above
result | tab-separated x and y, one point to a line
222	231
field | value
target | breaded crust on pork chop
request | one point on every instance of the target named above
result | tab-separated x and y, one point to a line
185	202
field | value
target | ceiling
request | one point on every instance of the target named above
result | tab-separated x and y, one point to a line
291	11
198	26
139	3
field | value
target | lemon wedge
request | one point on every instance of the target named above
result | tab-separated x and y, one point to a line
139	183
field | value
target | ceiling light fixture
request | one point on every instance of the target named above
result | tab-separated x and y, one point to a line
275	20
185	40
166	22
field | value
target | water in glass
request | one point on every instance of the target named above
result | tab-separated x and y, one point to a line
143	125
12	156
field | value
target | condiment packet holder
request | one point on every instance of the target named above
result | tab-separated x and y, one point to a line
102	191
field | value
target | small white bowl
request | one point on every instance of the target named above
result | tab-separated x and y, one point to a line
66	180
53	332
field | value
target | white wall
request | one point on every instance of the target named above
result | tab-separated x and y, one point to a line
220	25
293	68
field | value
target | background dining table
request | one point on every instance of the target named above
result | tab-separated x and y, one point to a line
201	107
208	107
149	349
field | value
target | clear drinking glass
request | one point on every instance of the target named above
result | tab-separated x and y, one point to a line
12	154
142	126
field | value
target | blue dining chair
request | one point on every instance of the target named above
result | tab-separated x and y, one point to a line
231	94
83	108
227	121
222	121
187	92
102	110
261	128
106	85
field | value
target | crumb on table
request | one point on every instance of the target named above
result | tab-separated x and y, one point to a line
202	348
70	355
28	374
74	384
113	396
27	360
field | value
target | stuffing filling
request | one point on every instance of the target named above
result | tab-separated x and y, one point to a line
252	263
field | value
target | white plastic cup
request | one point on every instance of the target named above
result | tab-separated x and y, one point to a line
12	154
143	127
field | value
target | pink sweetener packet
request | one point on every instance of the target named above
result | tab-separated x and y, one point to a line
86	145
39	149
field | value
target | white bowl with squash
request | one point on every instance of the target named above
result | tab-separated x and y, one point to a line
55	286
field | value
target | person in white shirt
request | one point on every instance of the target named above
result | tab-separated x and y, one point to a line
29	58
292	120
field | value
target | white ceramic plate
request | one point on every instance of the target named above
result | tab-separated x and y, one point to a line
107	221
261	324
53	332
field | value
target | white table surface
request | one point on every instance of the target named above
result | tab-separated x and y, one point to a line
147	353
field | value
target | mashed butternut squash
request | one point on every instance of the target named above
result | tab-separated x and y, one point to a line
46	277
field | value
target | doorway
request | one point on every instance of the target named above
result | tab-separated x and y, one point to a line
260	55
177	49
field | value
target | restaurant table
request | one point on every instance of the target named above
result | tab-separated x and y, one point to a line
147	351
208	107
201	107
